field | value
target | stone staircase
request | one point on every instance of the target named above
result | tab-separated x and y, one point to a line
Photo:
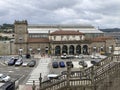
88	79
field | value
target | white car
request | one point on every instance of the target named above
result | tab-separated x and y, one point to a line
4	78
79	56
25	64
95	57
64	56
52	76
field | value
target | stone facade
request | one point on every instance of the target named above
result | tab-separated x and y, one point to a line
56	41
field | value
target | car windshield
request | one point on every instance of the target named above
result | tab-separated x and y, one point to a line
11	60
31	62
19	60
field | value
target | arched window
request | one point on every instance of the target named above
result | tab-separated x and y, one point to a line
57	50
78	49
64	49
71	50
85	49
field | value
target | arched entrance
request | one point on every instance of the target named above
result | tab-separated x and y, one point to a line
57	50
85	49
71	50
64	49
46	50
78	49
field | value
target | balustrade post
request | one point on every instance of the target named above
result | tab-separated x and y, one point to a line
92	78
68	77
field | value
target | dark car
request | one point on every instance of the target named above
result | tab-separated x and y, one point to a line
83	63
32	63
65	73
61	64
28	55
69	63
55	65
12	61
95	62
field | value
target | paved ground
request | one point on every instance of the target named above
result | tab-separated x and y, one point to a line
26	75
41	68
15	72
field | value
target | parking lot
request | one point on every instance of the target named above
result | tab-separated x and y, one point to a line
15	72
26	75
75	61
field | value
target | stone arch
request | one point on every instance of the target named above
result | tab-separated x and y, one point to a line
78	49
71	50
64	49
57	50
85	49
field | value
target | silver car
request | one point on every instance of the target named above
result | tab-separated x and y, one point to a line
4	78
19	62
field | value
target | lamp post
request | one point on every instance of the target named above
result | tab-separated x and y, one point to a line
40	80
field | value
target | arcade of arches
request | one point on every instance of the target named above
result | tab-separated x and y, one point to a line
71	49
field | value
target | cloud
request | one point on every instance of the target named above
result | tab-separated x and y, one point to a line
102	13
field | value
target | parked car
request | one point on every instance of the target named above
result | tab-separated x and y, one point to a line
70	56
4	78
83	63
19	62
69	63
95	57
95	62
61	64
32	63
25	64
64	56
79	56
65	73
52	76
28	55
12	61
55	64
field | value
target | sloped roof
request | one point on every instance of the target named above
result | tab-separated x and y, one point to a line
102	39
66	32
38	40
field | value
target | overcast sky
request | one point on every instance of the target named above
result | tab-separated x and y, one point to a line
102	13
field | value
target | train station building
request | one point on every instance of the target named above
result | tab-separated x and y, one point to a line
56	39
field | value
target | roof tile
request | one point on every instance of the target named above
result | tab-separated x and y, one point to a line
66	32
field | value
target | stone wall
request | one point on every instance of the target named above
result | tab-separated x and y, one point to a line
6	48
111	82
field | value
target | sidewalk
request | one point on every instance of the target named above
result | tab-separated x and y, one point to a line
41	68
